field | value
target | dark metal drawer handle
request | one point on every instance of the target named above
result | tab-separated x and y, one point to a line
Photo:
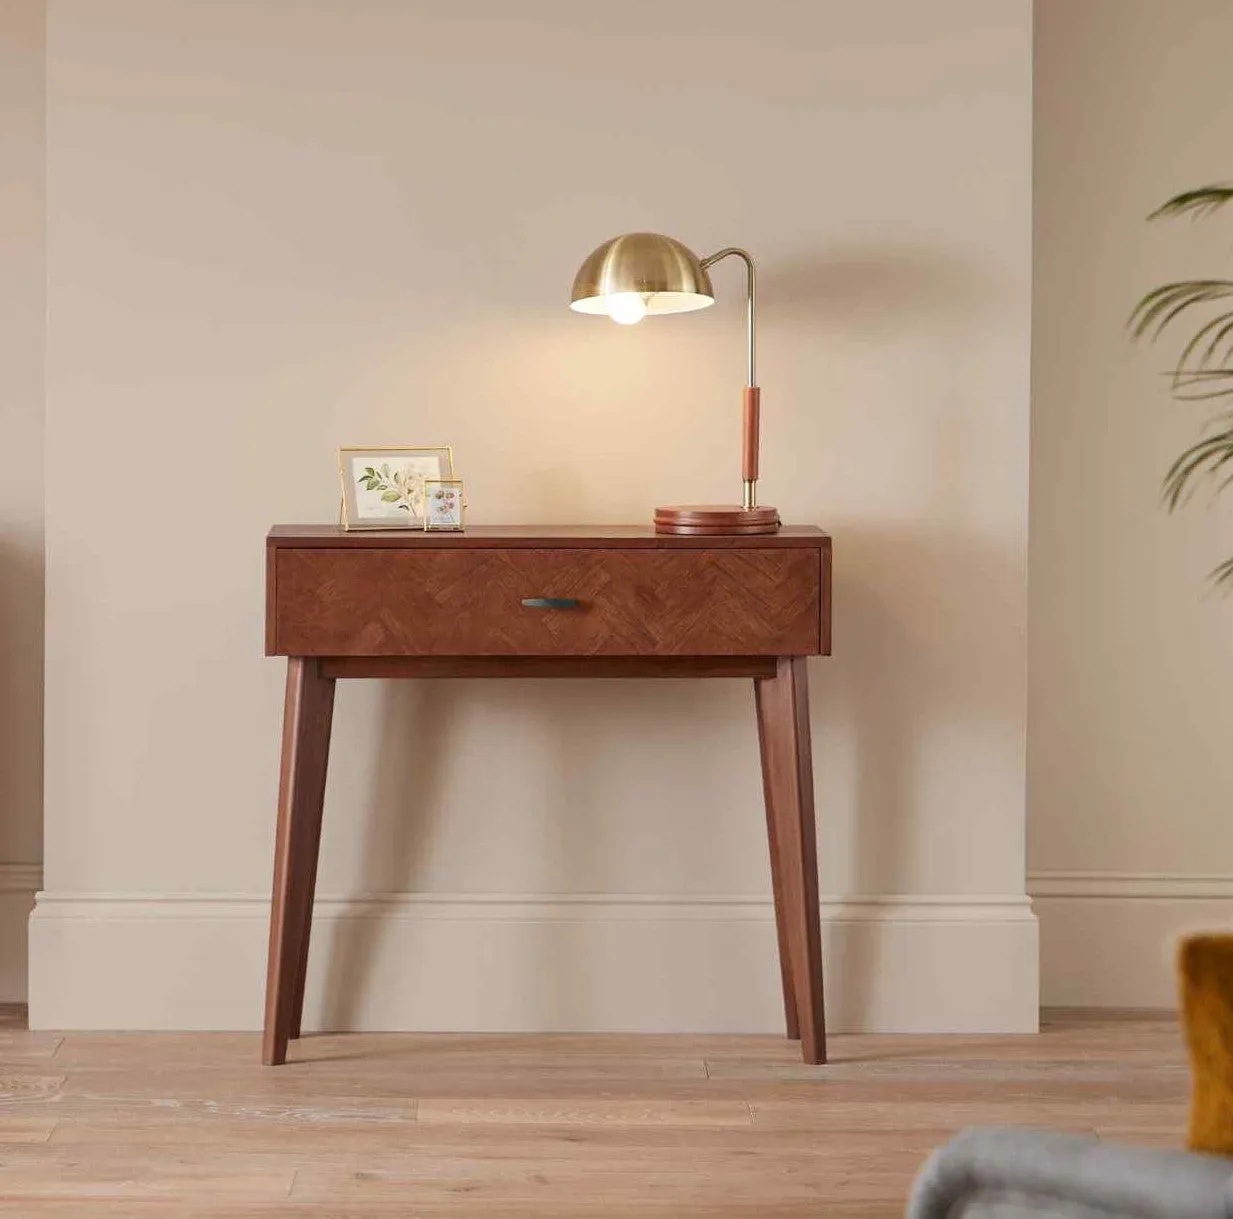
551	603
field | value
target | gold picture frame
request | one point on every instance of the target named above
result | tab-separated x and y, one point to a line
443	520
383	486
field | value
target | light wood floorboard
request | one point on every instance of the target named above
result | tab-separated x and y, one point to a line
521	1127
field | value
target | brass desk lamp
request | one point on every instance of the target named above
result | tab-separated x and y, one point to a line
638	274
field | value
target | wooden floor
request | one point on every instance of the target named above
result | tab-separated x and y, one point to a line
520	1127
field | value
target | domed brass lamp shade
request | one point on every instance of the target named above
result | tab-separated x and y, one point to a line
659	272
637	275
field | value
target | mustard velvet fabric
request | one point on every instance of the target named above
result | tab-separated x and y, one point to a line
1205	966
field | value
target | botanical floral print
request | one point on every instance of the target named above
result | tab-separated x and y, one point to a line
444	506
404	489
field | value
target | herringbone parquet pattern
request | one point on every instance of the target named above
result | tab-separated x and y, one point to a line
416	602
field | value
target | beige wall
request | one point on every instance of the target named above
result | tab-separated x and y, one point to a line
1131	713
21	477
276	229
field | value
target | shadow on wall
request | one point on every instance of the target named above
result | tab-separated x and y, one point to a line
902	289
930	609
416	768
921	708
21	745
929	703
21	700
409	758
931	697
918	716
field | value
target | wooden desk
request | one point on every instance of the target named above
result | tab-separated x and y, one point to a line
552	602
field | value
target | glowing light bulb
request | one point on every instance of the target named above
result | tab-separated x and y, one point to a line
626	307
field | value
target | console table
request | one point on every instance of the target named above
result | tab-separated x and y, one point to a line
550	602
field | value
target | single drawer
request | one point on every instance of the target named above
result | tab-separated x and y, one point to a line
403	601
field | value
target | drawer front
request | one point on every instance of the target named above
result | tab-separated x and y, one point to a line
444	602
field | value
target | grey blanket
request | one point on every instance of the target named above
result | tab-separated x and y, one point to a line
1031	1174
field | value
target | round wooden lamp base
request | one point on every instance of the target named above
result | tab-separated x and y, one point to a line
716	520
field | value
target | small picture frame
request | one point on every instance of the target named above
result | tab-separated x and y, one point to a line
383	488
443	504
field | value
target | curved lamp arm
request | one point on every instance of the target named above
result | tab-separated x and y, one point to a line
753	396
750	309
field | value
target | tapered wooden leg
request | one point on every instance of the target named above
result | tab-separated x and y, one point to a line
788	776
312	852
777	869
307	714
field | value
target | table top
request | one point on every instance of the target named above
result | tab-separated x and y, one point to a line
533	536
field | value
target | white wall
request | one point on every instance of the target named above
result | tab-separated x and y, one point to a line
1131	712
275	229
21	479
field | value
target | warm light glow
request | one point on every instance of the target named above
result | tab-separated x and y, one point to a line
627	308
652	302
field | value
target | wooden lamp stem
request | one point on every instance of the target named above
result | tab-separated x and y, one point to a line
749	445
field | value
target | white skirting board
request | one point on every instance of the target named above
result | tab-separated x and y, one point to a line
577	963
1109	939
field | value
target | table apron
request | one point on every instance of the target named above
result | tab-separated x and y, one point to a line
546	666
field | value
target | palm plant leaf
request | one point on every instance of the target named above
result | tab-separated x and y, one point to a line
1208	457
1196	203
1202	384
1223	573
1163	306
1204	370
1220	325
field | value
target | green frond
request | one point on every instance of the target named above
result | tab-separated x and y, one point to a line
1206	374
1159	308
1196	203
1202	384
1223	574
1223	335
1204	368
1205	458
1218	325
